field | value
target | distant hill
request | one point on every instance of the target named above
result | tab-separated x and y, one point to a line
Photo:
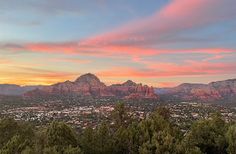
220	91
15	90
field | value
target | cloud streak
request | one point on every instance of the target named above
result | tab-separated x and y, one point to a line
42	6
162	26
34	76
158	70
138	38
106	51
5	61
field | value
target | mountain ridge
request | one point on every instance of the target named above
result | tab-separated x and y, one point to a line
90	85
217	91
16	90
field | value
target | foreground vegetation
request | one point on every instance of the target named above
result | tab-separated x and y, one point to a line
154	135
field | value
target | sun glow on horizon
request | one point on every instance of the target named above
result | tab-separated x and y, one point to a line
160	43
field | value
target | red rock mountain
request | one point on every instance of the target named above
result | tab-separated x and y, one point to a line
90	85
220	91
131	90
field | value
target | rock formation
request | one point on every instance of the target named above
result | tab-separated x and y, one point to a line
220	91
89	85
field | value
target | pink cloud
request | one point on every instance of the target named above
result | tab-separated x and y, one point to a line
177	16
156	70
137	38
72	60
214	57
108	50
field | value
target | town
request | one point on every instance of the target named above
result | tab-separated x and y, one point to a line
82	115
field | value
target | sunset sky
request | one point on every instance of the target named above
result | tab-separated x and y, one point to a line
156	42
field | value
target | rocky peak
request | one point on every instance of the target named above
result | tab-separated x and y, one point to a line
89	79
229	83
129	83
214	92
189	86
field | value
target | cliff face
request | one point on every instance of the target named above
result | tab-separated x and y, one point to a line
220	91
90	85
131	90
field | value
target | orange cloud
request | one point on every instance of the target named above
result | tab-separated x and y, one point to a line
32	76
167	84
5	61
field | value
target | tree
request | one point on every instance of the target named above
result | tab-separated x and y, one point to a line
40	141
15	136
98	141
133	138
121	141
164	112
103	140
157	135
50	150
60	136
72	150
28	150
231	139
120	115
208	135
87	141
14	145
8	128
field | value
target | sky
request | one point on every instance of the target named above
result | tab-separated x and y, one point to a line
157	42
